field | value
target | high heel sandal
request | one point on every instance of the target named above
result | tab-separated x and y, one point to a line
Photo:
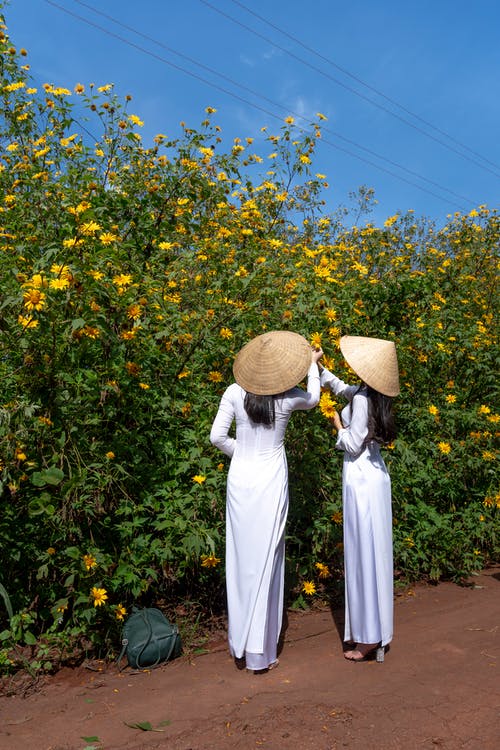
273	665
377	650
240	662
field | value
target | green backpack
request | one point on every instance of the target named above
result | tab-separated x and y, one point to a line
148	639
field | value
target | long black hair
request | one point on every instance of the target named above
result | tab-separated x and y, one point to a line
260	409
381	420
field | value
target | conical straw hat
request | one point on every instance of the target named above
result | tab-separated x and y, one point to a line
374	361
272	363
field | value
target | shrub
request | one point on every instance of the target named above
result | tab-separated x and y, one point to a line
130	277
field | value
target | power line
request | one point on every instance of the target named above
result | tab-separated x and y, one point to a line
363	83
245	101
345	86
273	103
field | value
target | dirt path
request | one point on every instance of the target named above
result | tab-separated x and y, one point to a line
439	687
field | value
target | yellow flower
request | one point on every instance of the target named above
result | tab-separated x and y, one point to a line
215	376
107	238
34	299
209	561
72	242
331	315
444	447
89	561
199	478
132	368
391	220
122	279
61	270
120	612
433	410
51	551
144	386
323	570
484	409
183	374
451	398
136	120
91	332
308	587
134	311
110	455
99	596
316	340
14	86
337	517
327	405
90	227
60	283
409	542
225	333
27	322
489	456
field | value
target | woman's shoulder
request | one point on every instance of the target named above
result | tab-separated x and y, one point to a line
360	396
234	391
362	391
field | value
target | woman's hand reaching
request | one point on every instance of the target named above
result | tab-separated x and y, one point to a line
336	421
316	355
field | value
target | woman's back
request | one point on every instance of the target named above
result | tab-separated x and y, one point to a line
256	440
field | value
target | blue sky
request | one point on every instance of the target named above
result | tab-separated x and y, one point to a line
410	90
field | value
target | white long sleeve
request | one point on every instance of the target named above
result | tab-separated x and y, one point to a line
351	438
219	434
336	385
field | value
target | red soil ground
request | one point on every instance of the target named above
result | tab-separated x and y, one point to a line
439	687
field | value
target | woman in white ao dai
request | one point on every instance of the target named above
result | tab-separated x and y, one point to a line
365	423
257	494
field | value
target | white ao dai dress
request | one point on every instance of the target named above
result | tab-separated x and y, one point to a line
256	512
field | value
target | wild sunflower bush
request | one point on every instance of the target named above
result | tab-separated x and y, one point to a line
131	274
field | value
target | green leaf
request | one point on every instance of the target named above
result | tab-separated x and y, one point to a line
29	638
41	505
6	599
53	476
